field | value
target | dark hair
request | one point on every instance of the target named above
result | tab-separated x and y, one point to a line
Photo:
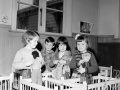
83	38
51	40
63	40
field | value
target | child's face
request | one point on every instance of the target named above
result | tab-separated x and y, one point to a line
62	47
33	43
48	46
82	46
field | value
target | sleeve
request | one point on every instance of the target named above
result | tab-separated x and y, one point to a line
93	67
73	63
18	62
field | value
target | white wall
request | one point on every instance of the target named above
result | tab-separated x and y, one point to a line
5	11
84	10
109	17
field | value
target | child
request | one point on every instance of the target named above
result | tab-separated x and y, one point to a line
83	62
62	59
24	59
48	53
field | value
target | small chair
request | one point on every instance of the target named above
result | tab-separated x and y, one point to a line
116	73
105	71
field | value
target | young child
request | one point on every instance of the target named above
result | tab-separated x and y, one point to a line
48	53
24	59
83	61
62	59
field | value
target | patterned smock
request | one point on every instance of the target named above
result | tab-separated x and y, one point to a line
62	70
90	67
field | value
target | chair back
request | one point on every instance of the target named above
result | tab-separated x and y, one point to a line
105	71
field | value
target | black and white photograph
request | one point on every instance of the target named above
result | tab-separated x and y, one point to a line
85	27
59	44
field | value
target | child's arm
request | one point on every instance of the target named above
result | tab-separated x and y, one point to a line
80	62
19	63
93	67
73	63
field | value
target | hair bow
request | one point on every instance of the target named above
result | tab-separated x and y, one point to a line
77	36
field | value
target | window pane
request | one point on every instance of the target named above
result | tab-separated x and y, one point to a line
27	17
54	16
55	4
31	2
54	21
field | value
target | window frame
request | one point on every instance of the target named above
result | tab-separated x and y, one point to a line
41	29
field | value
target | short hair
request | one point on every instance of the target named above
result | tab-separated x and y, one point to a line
83	38
51	40
63	40
28	36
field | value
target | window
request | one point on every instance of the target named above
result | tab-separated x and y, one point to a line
54	16
26	15
45	16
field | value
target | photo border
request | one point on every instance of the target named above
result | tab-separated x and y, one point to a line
87	25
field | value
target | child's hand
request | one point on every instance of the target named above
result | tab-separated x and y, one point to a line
56	61
81	70
62	61
27	67
80	62
86	57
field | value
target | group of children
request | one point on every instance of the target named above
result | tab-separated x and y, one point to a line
56	57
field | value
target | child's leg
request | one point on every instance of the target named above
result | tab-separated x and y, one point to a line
39	77
34	75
